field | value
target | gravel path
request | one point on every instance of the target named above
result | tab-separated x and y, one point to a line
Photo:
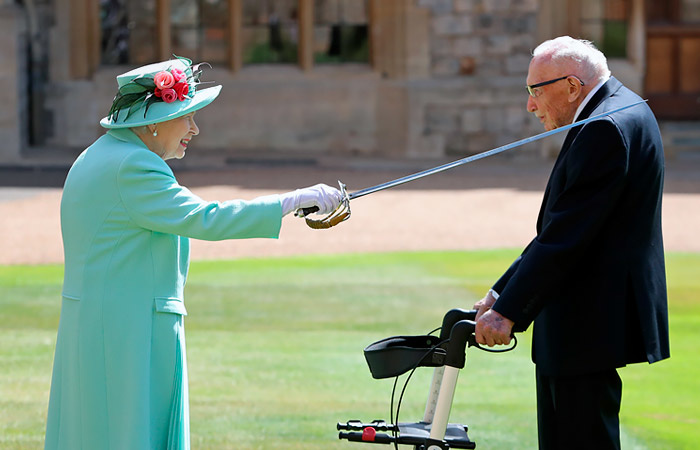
490	204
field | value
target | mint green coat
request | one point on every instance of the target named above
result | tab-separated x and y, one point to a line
120	369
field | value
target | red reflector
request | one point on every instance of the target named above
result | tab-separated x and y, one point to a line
368	434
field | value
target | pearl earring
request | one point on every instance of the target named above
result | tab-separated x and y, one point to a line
155	133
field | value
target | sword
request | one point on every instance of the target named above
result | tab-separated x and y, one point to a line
343	211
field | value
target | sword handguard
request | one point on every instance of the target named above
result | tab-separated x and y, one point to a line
339	214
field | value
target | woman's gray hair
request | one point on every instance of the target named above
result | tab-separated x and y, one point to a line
582	55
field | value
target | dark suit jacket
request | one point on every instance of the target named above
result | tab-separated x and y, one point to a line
593	280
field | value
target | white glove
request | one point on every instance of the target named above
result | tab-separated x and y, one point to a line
323	196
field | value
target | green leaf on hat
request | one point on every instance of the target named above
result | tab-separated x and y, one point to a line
146	82
133	108
186	61
150	99
132	88
121	102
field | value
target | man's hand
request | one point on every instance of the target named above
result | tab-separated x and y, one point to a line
484	304
493	329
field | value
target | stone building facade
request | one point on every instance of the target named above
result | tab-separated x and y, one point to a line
429	79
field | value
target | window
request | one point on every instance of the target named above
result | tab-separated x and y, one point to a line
690	11
128	31
606	24
341	32
270	31
198	29
237	32
615	25
673	12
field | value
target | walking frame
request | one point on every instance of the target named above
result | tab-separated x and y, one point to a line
394	356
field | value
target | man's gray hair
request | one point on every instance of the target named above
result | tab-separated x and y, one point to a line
579	53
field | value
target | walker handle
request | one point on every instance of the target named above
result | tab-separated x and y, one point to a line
452	317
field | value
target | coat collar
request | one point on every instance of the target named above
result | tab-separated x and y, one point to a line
126	135
606	90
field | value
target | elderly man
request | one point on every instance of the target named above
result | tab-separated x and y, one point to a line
593	279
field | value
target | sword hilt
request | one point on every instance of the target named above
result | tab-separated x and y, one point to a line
339	214
303	212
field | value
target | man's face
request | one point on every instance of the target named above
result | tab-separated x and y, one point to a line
554	104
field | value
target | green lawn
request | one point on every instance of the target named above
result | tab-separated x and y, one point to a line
275	352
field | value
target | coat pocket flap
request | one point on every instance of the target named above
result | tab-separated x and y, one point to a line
170	305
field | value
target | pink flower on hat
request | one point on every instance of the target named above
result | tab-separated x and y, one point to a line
182	90
178	74
168	95
139	93
164	80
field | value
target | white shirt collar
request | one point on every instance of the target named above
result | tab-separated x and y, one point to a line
588	98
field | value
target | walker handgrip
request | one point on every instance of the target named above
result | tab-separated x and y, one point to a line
460	334
452	317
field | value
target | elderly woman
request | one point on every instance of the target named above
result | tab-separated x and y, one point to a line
120	370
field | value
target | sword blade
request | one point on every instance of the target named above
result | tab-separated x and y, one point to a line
468	159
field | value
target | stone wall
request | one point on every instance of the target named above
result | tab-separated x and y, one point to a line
479	54
13	129
260	109
449	81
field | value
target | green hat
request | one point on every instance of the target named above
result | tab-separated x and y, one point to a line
158	92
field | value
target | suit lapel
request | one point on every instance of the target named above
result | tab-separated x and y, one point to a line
605	91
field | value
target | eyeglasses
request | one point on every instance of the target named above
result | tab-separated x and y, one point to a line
531	88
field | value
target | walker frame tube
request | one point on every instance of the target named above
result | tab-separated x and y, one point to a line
433	394
444	403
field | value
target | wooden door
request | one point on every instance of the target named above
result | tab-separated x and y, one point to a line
672	82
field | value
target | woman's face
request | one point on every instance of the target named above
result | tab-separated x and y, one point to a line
174	136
